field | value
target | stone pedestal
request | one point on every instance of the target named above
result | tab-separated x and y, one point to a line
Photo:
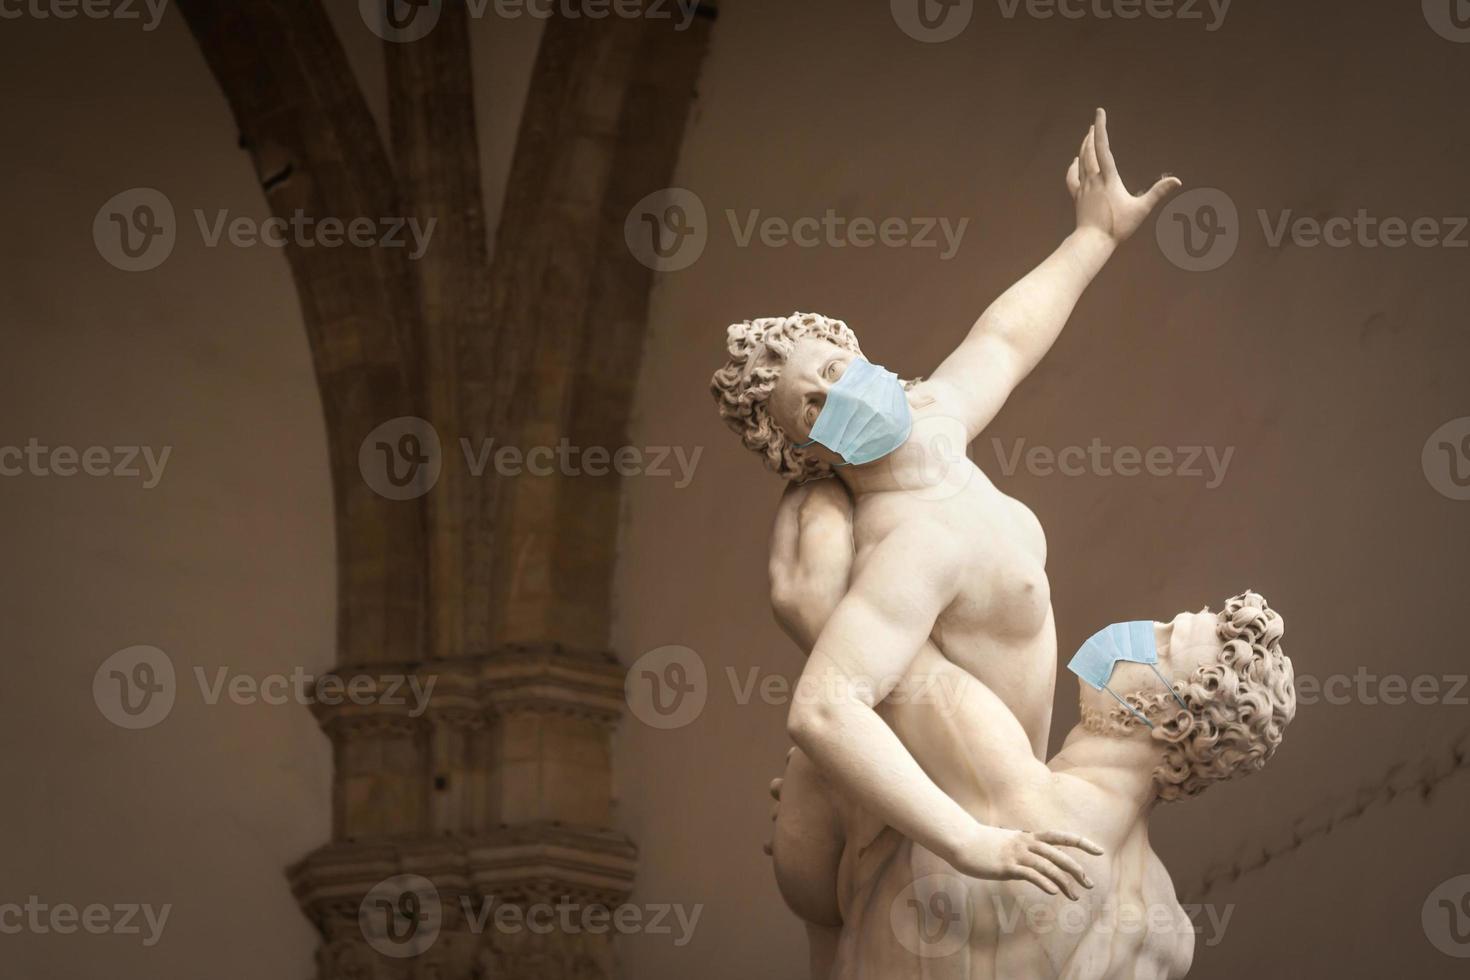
471	834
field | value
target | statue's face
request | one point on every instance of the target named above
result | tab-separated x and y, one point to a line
1185	643
797	399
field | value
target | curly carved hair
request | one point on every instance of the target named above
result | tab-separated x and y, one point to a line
1239	706
758	349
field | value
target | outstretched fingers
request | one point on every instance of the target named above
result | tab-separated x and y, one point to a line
1090	166
1063	861
1052	873
1049	868
1020	873
769	847
1106	163
1060	838
1165	186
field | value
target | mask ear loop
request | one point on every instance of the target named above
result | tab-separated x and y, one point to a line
1136	713
1169	686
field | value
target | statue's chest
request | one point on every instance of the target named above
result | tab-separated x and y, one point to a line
1001	587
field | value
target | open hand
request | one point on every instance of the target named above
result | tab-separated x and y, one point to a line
1103	203
1017	855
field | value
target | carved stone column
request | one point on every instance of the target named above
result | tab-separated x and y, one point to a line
462	788
492	790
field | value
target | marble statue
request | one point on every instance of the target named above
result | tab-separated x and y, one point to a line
879	905
920	592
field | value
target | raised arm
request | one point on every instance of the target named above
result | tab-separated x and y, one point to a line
864	650
1017	330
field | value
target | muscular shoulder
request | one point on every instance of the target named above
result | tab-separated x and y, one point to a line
823	508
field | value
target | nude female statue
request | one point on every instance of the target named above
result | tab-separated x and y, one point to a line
945	566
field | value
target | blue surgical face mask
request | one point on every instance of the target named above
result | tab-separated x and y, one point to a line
866	416
1132	642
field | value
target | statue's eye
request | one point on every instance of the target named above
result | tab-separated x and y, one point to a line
831	372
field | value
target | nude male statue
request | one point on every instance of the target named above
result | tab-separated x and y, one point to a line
945	565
